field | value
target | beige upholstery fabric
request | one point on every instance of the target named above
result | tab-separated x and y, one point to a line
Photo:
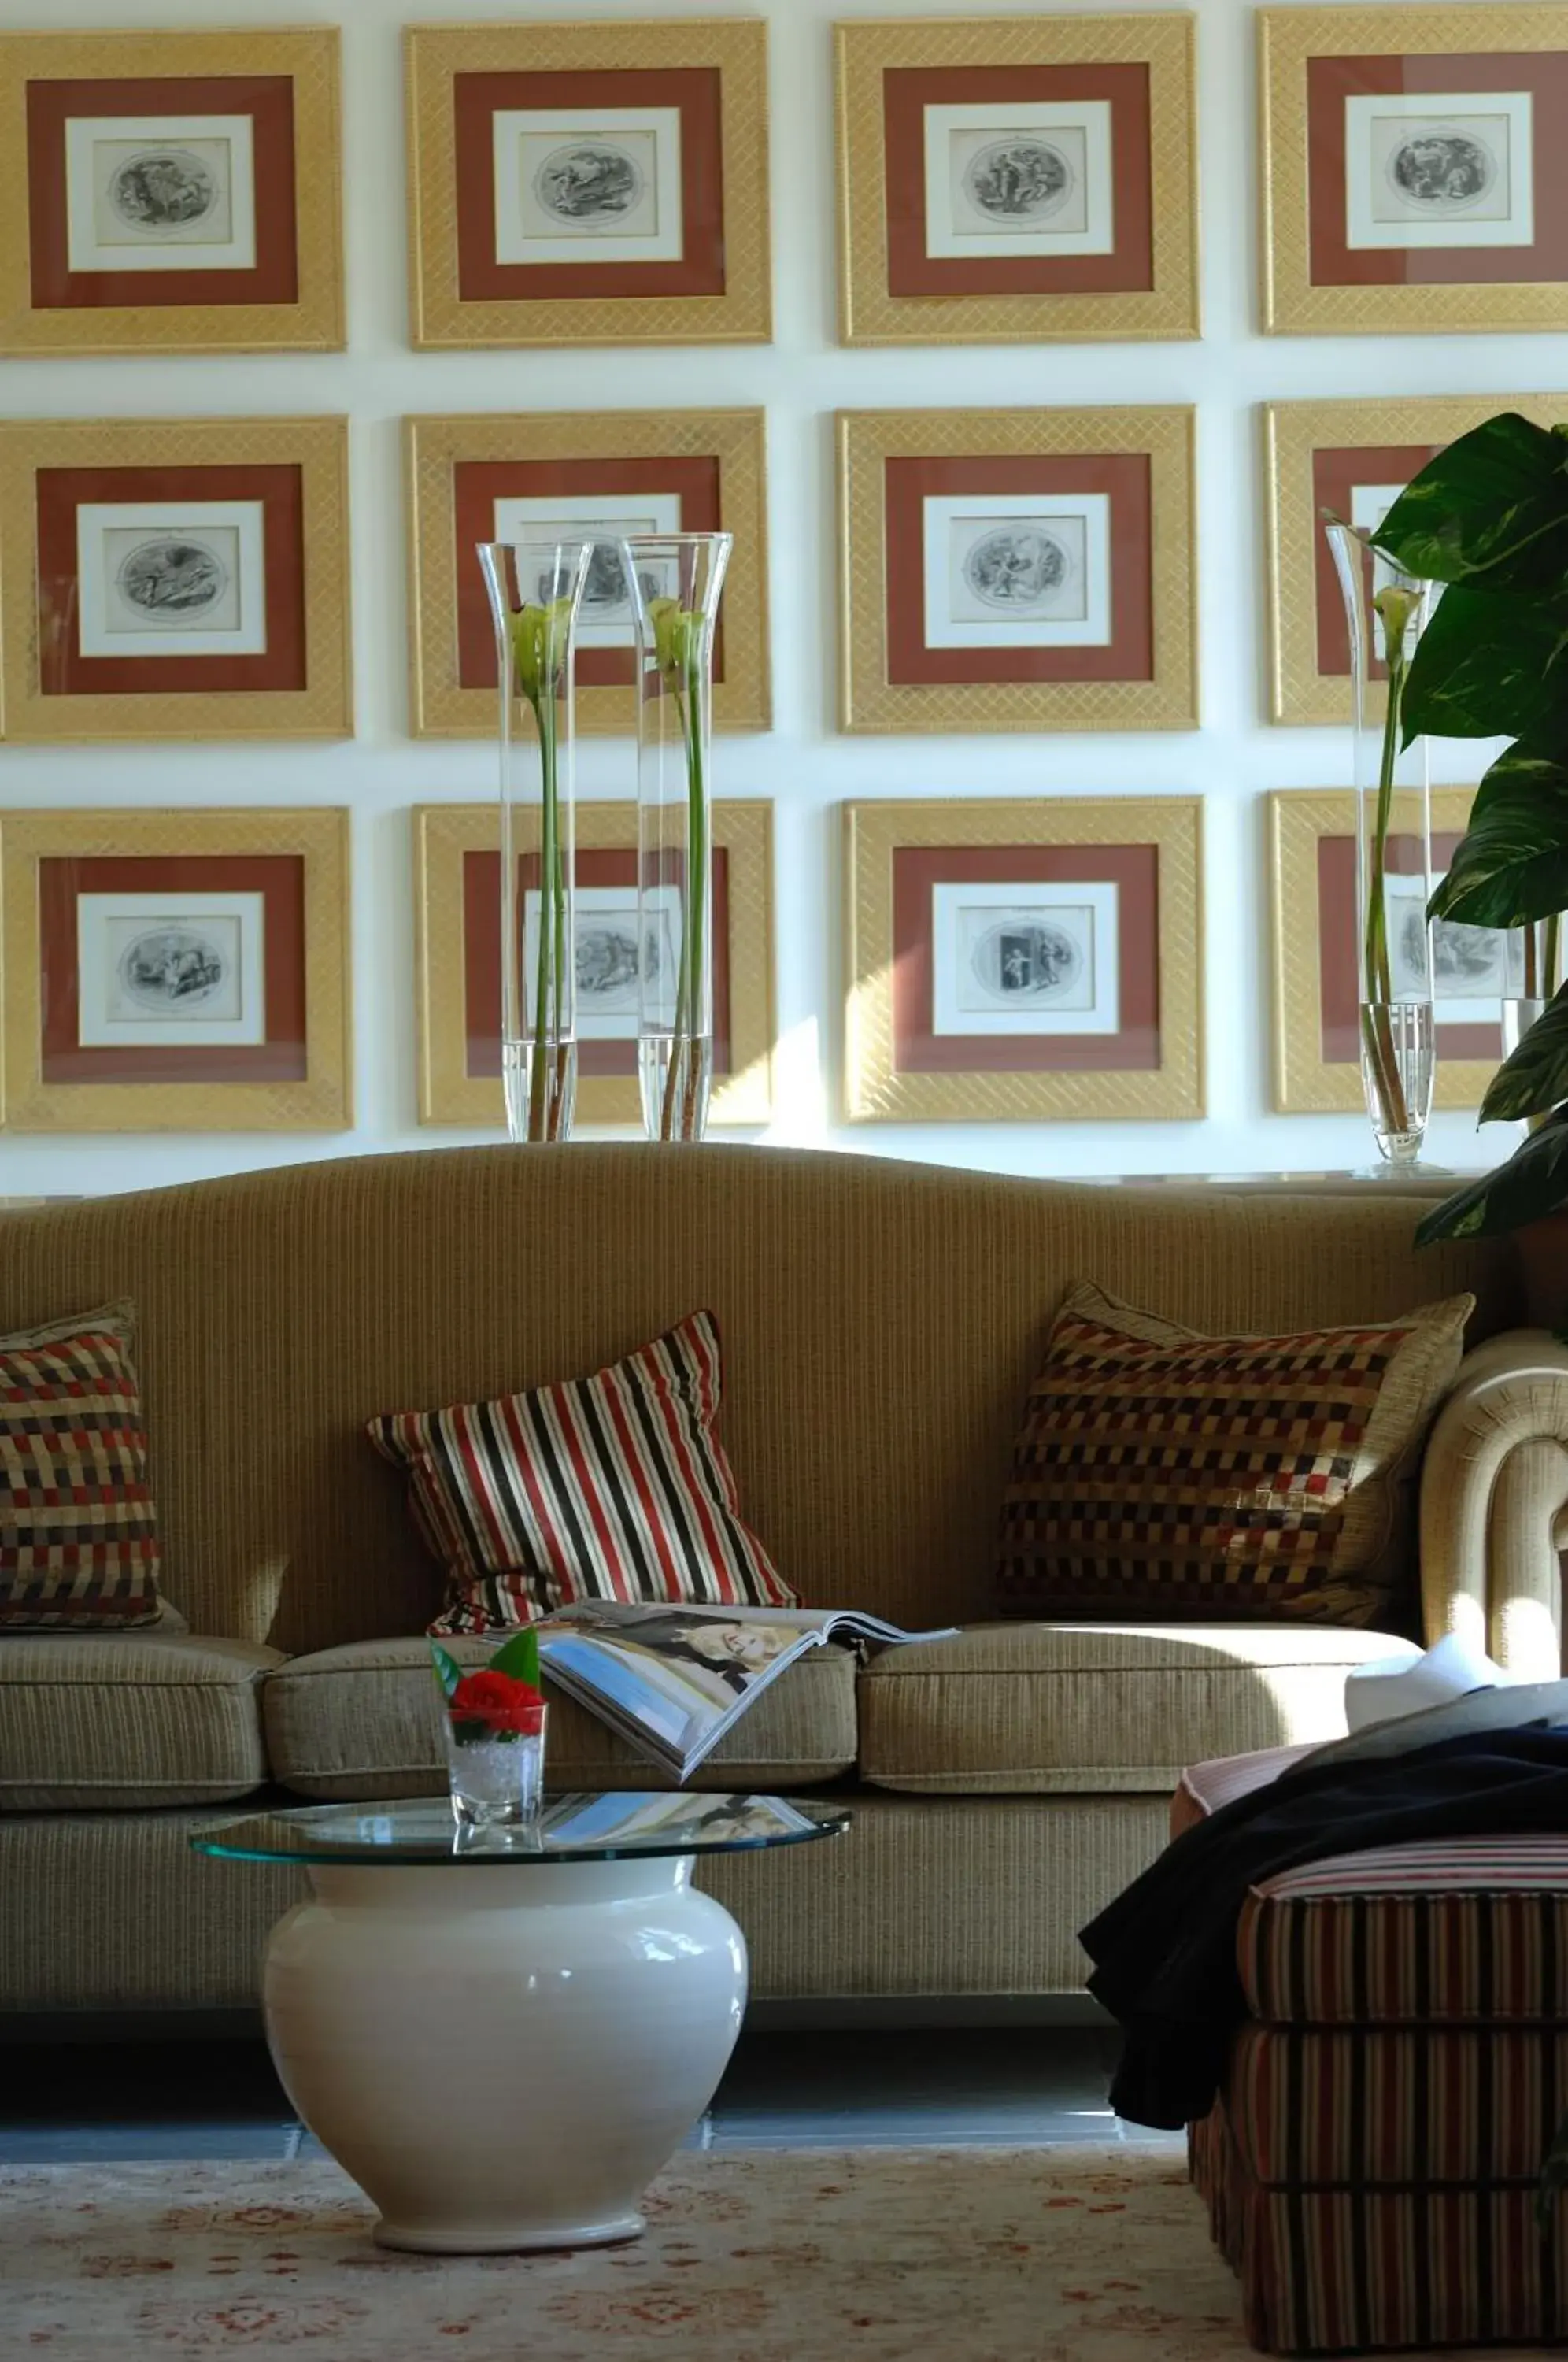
364	1721
1019	1709
128	1719
881	1324
114	1910
1494	1484
924	1896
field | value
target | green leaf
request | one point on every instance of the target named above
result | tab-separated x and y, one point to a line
519	1657
1533	1183
1488	666
1511	865
449	1673
1534	1077
1491	509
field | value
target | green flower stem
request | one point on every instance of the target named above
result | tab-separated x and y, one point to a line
1550	955
680	1080
1378	1030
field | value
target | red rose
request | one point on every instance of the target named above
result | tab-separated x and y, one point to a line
500	1702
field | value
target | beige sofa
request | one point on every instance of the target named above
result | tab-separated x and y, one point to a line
881	1323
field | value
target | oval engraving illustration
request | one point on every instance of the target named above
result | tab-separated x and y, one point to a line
1030	960
1016	567
163	189
1021	179
590	184
177	580
171	968
1443	171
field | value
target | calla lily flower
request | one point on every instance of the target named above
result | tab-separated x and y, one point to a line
539	647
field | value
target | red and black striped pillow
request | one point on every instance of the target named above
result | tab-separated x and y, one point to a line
610	1487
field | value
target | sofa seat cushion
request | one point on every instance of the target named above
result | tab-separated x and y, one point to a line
1021	1709
364	1721
91	1722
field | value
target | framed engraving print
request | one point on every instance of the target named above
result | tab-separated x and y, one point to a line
589	184
1311	859
174	579
457	961
170	193
1023	959
1017	569
1415	168
1352	459
175	971
574	475
1017	178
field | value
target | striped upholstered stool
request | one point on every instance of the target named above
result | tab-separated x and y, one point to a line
1370	2166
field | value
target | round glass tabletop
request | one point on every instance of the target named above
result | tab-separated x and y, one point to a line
419	1831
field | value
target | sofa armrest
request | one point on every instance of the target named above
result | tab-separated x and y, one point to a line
1494	1505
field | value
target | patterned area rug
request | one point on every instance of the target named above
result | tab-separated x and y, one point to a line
755	2255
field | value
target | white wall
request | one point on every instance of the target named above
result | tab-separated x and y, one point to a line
803	766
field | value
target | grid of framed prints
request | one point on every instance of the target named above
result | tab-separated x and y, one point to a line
589	184
457	961
1023	959
175	971
1352	459
1017	178
576	475
1312	865
165	578
1415	173
170	193
1017	569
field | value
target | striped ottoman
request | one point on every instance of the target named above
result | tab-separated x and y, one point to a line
1370	2166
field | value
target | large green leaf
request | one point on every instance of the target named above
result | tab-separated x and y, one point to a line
519	1657
1489	666
1534	1182
1534	1077
449	1673
1511	867
1491	509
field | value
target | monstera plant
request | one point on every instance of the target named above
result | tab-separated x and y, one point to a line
1488	518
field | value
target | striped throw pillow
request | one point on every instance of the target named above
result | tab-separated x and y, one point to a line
610	1487
1159	1472
78	1533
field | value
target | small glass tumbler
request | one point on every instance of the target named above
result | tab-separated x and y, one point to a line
498	1780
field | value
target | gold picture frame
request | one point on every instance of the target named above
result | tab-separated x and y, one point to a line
1320	271
448	626
1305	1082
902	1064
59	1074
882	604
449	1093
51	689
1165	213
1309	453
294	298
452	223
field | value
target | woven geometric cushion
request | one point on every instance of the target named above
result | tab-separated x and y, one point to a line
77	1534
610	1487
1160	1471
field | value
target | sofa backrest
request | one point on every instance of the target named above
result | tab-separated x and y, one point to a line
881	1323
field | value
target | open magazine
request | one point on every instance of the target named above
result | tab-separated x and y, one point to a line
672	1680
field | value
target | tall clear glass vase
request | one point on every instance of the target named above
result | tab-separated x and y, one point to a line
677	581
1385	613
1534	973
536	590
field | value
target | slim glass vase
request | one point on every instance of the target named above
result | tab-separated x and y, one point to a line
1385	613
535	590
677	581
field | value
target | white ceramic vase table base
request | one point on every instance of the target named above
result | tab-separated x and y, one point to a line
503	2058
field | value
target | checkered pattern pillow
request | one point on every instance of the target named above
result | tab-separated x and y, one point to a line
613	1487
77	1534
1163	1474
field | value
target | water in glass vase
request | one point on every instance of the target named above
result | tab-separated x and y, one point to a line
1397	1060
674	1073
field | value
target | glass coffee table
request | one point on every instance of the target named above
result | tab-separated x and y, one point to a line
502	2036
